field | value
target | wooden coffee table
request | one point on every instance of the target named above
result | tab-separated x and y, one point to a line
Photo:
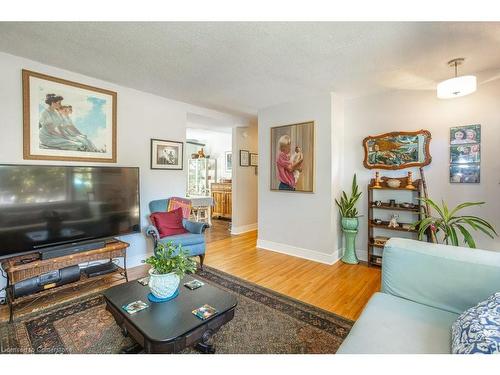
170	327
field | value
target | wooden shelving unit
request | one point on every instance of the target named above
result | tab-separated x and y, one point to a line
417	209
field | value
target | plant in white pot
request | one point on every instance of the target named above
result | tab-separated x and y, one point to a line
350	222
169	264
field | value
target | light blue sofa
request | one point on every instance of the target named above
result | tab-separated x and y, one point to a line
193	241
425	287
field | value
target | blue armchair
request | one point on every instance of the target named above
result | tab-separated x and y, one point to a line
193	241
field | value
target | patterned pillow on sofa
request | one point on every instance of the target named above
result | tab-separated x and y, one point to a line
477	330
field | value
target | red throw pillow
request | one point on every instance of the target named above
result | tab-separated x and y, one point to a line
168	223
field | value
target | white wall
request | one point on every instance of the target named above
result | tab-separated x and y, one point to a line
414	110
216	145
141	116
245	181
301	224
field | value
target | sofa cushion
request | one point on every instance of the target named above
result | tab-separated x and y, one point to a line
168	223
477	330
391	324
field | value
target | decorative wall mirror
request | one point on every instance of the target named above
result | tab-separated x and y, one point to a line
397	150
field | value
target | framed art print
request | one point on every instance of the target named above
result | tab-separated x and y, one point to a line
397	150
468	134
229	161
167	154
465	173
464	154
244	158
65	120
292	157
254	160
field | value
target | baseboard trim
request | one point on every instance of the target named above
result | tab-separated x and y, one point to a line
298	252
361	254
244	228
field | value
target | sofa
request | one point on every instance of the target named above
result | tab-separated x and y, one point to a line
425	287
193	241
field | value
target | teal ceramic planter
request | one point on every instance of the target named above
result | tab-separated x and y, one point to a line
350	223
350	229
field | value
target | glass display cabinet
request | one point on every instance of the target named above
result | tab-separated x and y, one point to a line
201	174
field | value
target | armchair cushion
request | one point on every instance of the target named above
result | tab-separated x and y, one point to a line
168	223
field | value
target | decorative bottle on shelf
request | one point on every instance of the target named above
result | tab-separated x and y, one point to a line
376	183
409	181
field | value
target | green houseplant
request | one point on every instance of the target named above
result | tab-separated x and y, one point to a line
349	222
451	225
169	264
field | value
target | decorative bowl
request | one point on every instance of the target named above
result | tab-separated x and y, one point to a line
393	183
163	286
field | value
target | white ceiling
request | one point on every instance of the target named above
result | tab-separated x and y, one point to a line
240	67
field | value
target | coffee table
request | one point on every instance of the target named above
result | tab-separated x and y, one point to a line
170	327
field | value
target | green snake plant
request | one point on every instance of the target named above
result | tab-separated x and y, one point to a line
347	204
451	225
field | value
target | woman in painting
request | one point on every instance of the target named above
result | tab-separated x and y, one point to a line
72	132
51	124
284	166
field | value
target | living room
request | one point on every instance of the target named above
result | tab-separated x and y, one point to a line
250	188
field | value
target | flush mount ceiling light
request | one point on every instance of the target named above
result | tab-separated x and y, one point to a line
458	86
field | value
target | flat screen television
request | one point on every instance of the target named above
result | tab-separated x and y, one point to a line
48	206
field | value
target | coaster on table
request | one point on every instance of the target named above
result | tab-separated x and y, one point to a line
154	299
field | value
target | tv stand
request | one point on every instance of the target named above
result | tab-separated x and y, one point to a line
22	267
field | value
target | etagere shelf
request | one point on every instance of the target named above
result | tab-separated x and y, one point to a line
416	209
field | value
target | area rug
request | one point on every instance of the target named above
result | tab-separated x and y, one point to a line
264	322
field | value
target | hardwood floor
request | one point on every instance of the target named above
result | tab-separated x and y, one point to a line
340	288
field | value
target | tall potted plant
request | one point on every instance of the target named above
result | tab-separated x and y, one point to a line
450	225
169	264
350	222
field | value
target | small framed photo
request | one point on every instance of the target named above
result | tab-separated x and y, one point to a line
229	161
465	154
465	173
244	158
167	154
254	160
468	134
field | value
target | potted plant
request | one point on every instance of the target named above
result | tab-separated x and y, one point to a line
451	225
169	264
350	222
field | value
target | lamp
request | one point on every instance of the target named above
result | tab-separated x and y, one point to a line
458	86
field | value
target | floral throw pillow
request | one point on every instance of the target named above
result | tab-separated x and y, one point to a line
477	330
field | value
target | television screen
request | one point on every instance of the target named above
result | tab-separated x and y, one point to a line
43	206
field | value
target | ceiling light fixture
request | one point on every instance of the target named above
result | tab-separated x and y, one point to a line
458	86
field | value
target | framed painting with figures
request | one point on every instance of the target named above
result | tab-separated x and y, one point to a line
65	120
397	150
292	157
463	135
167	154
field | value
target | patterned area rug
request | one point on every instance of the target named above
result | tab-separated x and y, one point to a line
264	322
